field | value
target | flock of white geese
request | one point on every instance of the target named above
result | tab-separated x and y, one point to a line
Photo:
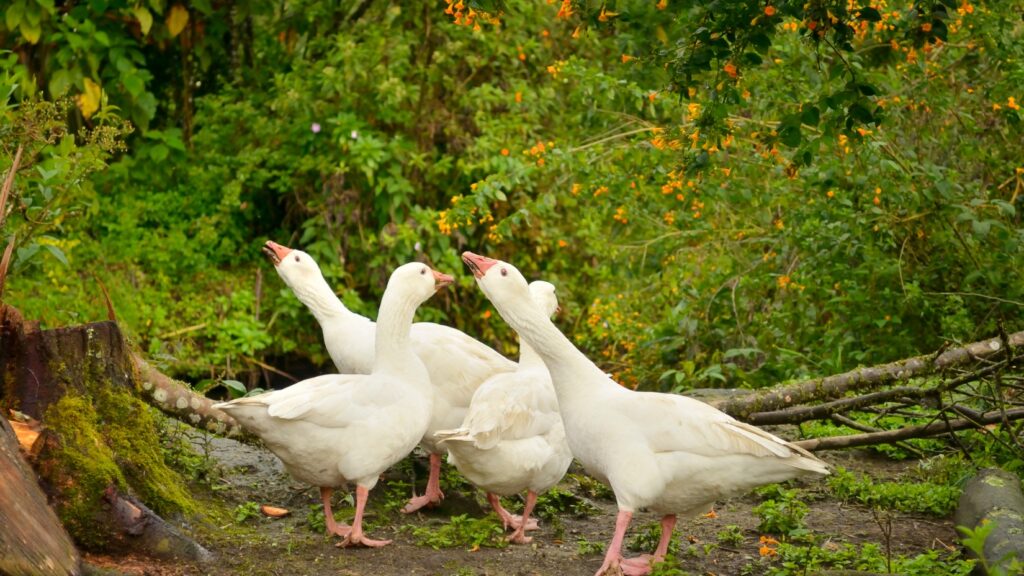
506	427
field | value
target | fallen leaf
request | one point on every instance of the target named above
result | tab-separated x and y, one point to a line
27	434
274	512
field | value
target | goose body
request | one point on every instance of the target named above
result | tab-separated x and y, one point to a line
671	454
512	438
337	429
456	362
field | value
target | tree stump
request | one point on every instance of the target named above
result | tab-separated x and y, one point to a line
994	495
32	540
99	455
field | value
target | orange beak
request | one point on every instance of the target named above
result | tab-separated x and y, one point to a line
275	252
478	264
441	279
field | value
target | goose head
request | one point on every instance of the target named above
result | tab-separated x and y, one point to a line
295	267
543	294
502	283
418	280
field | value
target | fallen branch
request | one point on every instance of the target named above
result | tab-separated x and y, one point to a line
921	431
837	386
177	400
802	414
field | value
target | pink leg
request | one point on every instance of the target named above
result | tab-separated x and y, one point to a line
645	562
356	536
507	518
613	556
332	526
668	523
433	495
519	536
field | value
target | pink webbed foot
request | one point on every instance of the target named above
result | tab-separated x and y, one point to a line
433	496
341	529
356	537
515	521
639	565
425	501
361	540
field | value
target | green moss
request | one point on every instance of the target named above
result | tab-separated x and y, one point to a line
107	436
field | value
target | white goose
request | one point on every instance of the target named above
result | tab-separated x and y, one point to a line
457	363
341	428
669	453
513	439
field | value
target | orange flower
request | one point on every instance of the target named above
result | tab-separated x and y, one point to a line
604	16
661	5
926	27
766	551
486	314
565	11
652	95
562	243
769	10
626	58
504	152
782	281
1011	103
519	97
730	69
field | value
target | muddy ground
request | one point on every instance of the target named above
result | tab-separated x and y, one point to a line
567	544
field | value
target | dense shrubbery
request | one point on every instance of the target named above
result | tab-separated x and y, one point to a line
759	195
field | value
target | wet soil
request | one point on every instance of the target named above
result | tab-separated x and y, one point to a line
567	544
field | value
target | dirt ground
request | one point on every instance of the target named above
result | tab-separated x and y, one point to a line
287	546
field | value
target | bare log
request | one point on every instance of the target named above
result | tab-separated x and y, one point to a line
994	497
920	431
838	385
32	540
177	400
151	532
802	414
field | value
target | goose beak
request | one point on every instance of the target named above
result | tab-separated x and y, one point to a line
275	252
441	279
478	265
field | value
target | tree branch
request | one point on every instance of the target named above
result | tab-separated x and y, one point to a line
177	400
838	385
921	431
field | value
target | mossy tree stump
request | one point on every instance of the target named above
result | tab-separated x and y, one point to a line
99	456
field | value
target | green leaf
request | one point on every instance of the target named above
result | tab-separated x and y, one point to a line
810	115
159	152
870	14
133	84
13	15
30	31
144	17
57	253
60	82
235	388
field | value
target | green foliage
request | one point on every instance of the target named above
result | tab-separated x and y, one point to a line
974	540
915	496
646	537
795	560
728	200
731	535
585	547
557	501
462	531
246	511
782	515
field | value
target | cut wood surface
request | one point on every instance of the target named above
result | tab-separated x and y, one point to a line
32	540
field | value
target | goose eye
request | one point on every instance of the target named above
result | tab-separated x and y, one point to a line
296	257
504	272
423	271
